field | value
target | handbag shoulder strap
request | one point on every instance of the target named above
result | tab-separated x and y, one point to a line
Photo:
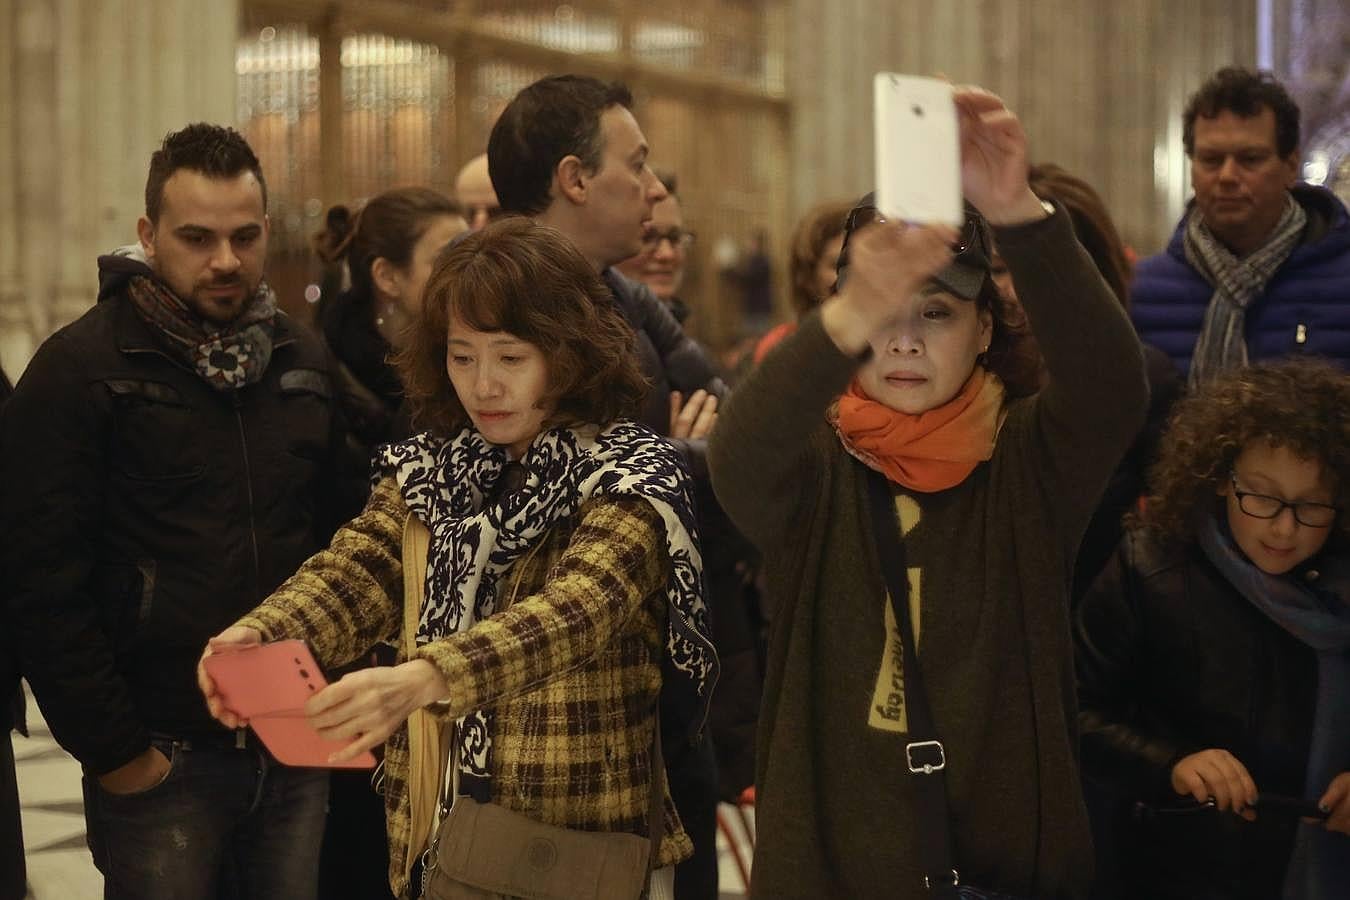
429	739
925	757
416	540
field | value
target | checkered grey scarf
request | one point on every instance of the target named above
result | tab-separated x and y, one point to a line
1237	282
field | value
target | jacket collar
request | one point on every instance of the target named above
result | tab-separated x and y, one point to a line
1326	234
132	335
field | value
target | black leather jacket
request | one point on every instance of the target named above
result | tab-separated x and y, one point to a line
1173	660
671	360
142	511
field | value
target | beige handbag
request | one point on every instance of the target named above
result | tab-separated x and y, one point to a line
483	851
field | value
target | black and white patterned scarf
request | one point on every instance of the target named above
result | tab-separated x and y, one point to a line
1222	343
475	540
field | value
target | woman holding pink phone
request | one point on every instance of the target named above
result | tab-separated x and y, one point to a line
533	553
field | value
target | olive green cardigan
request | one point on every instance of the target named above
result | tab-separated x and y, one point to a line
990	563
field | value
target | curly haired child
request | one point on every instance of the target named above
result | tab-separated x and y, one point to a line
1214	650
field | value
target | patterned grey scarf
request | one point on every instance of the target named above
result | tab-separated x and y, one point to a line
1237	282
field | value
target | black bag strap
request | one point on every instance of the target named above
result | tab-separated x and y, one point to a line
925	757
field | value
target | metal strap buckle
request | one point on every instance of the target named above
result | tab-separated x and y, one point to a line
933	757
953	880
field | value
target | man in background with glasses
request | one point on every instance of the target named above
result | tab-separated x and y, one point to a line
665	249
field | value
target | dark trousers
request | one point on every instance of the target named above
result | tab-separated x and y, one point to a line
224	821
12	875
355	857
692	774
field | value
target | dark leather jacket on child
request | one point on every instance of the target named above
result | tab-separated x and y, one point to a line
1173	660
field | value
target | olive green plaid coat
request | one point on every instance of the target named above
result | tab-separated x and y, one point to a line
571	669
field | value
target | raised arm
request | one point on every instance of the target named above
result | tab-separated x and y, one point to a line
1094	403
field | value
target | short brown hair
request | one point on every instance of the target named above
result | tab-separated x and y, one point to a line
552	118
817	228
1244	93
1013	354
1297	404
529	281
215	151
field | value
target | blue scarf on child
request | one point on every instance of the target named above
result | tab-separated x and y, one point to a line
1316	610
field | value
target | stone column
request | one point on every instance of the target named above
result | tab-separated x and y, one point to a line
88	89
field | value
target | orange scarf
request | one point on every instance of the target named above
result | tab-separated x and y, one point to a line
932	451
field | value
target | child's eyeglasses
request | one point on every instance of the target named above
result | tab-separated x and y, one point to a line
1264	506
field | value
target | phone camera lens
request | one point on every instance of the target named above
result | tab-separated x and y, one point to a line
917	110
304	674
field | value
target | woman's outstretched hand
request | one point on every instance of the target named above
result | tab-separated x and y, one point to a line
888	263
236	637
368	705
994	159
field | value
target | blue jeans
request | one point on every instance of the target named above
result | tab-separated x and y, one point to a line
224	821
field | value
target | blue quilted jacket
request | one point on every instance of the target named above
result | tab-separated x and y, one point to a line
1305	308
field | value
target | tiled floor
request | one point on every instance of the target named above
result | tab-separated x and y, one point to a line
57	857
58	860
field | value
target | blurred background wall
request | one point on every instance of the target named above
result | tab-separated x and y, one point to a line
762	107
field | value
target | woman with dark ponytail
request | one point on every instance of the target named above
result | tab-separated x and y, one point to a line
389	245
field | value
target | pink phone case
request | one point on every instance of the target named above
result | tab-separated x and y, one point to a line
269	685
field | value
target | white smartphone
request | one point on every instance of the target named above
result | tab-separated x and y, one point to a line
918	151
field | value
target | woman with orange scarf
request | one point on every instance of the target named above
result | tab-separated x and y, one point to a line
911	388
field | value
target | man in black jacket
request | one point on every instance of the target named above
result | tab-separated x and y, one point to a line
165	460
568	152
